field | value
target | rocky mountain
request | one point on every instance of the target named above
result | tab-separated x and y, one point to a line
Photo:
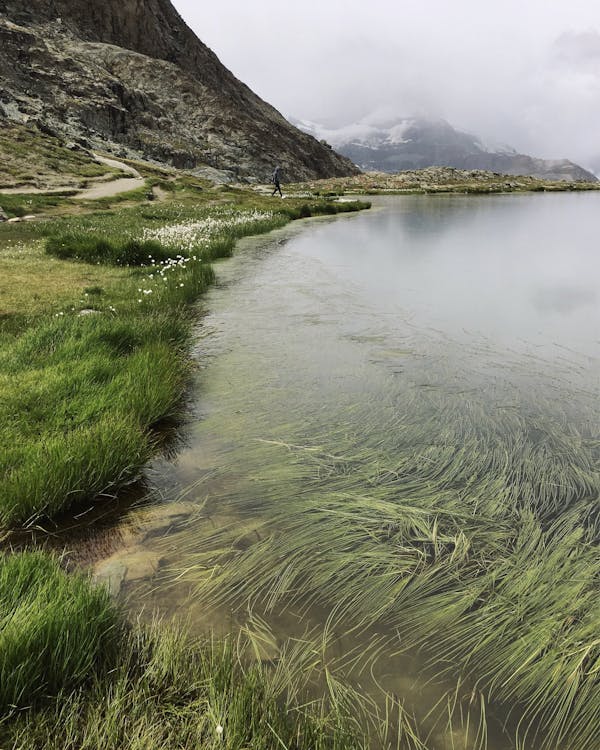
131	77
416	143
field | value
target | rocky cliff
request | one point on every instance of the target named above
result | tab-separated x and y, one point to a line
130	76
416	143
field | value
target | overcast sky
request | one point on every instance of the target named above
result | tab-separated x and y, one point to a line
522	72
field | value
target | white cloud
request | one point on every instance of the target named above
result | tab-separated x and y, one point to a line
525	73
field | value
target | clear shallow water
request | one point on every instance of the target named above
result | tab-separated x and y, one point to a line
324	317
331	344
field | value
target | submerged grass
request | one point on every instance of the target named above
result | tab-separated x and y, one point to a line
469	530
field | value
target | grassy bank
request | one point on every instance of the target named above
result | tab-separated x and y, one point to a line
54	630
94	336
74	675
95	327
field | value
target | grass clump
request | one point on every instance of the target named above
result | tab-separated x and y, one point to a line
167	692
94	249
80	397
55	630
73	675
23	204
323	208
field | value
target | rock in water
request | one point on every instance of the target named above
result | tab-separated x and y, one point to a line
110	573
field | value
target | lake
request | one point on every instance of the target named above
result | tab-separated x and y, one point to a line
393	436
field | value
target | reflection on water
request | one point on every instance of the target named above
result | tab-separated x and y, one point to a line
478	264
563	299
349	365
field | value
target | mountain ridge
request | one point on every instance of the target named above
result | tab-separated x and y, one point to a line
130	76
409	143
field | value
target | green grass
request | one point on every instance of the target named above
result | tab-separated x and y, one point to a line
81	394
322	208
94	249
55	629
31	158
22	204
166	692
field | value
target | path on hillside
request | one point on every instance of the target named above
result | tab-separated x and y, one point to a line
112	187
101	188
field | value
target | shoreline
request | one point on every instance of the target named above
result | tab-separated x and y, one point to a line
156	302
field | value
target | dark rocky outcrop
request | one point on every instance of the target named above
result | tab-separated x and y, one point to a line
130	74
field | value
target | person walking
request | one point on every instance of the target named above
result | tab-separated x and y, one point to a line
275	181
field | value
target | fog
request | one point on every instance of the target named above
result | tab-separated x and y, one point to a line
524	73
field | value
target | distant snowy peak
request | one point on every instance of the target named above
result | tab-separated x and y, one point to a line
398	131
359	133
495	147
394	145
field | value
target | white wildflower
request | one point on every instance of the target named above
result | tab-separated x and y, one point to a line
191	234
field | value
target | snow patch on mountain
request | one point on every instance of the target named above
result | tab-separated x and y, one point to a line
393	144
494	147
362	133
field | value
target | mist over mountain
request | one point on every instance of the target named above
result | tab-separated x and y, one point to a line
397	144
594	165
131	77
